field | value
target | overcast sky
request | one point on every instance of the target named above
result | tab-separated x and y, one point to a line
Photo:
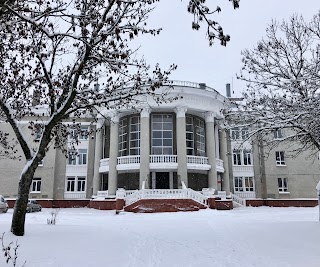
189	49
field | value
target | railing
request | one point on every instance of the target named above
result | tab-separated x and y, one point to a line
222	195
163	158
238	200
104	162
129	159
243	169
219	163
130	192
74	195
190	84
197	160
246	195
166	194
102	194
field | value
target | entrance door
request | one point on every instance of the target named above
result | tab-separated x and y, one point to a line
162	180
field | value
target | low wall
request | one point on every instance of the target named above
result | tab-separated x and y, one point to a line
103	204
282	202
58	203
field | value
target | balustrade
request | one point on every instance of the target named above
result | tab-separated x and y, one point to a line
74	195
163	158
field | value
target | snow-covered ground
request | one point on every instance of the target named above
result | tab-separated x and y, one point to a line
242	237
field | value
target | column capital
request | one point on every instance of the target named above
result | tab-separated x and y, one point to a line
180	111
114	116
100	123
210	116
145	112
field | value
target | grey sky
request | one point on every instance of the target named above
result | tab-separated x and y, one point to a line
189	49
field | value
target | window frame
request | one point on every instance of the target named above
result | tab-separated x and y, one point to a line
73	183
36	185
280	158
283	185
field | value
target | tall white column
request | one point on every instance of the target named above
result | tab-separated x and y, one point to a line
181	145
113	155
224	157
97	155
145	146
211	150
216	138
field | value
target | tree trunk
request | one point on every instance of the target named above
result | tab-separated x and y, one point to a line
20	207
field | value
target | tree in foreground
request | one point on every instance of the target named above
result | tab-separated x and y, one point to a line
283	84
51	54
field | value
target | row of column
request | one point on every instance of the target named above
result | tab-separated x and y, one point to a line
212	149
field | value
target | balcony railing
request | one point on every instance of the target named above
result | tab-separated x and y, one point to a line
129	159
104	162
197	160
74	195
163	158
243	170
246	195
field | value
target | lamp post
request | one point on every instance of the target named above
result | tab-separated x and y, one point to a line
318	191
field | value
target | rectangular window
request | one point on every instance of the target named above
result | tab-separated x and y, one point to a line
76	184
123	134
283	184
162	128
248	183
37	132
71	184
280	158
236	154
278	133
83	133
235	134
36	185
134	135
200	137
247	157
244	133
189	136
238	186
82	157
72	157
81	184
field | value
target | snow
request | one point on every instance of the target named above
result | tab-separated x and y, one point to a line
249	236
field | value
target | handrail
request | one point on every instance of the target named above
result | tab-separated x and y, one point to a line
185	193
238	200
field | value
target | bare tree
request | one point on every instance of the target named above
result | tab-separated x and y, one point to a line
283	84
52	52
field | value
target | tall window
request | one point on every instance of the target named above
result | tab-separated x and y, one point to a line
235	133
80	133
236	154
77	157
82	157
242	157
247	157
280	158
195	136
129	136
135	135
123	134
243	184
36	185
283	184
238	133
189	135
162	128
76	184
278	133
200	137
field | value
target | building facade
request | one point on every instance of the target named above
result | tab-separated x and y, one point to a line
180	144
167	146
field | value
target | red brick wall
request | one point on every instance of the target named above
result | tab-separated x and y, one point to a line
163	205
49	203
255	202
103	205
291	202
